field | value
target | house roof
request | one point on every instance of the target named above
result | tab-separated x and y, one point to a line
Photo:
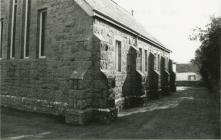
116	13
183	68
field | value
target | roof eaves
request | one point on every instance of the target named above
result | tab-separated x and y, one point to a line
112	21
85	6
157	44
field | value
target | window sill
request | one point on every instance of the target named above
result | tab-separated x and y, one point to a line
42	57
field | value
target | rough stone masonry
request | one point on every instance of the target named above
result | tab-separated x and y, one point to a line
82	59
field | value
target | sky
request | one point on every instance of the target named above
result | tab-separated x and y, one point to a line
172	21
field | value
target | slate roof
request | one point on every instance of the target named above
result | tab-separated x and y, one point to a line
112	10
182	68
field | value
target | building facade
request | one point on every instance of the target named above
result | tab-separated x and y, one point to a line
82	59
188	75
187	72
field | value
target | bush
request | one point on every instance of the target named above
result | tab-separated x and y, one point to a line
207	57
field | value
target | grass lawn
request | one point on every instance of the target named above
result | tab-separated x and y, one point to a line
188	113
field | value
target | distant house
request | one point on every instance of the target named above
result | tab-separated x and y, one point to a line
187	72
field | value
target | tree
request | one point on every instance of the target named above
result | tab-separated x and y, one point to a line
207	57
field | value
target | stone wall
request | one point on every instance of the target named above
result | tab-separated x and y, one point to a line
78	78
40	84
67	82
130	87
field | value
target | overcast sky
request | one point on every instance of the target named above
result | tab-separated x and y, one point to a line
172	21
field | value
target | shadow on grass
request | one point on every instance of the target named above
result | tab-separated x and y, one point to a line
185	114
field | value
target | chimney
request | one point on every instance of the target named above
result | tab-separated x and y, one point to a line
132	12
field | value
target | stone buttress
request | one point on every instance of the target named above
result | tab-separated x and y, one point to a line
172	79
91	96
165	87
154	79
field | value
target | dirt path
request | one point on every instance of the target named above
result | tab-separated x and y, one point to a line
188	113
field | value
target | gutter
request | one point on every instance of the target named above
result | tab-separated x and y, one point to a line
116	23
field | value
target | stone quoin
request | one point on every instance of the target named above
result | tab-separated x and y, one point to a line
81	59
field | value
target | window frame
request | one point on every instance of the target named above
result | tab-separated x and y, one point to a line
118	55
146	60
167	63
13	29
141	59
192	77
159	62
26	31
155	61
40	13
75	84
1	37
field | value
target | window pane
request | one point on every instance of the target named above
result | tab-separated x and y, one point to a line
155	62
26	29
145	60
27	51
44	16
116	56
14	31
119	56
141	61
158	62
42	32
1	36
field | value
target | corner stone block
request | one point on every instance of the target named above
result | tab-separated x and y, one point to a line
78	117
92	104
